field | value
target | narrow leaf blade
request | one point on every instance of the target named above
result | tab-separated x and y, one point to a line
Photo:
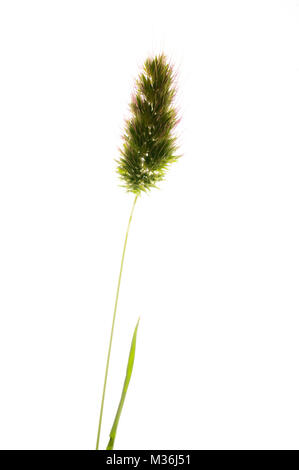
130	365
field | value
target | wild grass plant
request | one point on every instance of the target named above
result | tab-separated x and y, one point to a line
149	147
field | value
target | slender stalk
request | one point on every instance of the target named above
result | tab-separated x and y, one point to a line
113	322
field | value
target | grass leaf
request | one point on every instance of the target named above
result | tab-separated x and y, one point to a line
124	391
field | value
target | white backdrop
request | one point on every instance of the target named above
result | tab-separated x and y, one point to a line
212	263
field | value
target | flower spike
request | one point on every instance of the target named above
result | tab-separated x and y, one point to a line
149	145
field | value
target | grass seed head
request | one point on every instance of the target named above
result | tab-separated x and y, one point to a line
149	144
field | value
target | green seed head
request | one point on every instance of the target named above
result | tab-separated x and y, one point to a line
149	144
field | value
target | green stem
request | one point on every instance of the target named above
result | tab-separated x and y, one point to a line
113	322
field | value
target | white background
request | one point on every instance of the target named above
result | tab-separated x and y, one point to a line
212	263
